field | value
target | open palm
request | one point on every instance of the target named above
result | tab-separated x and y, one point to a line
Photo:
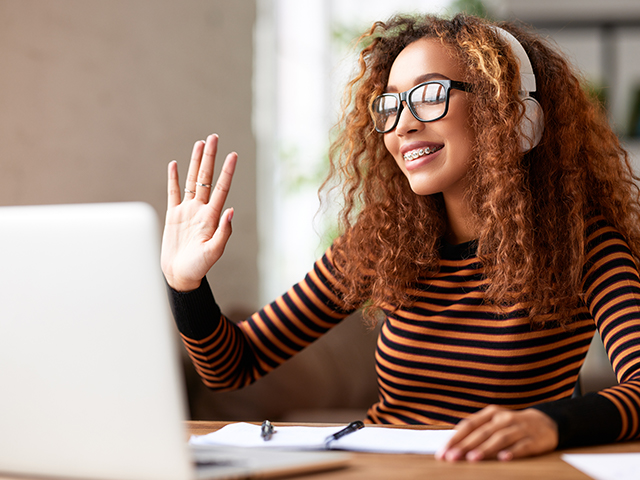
196	231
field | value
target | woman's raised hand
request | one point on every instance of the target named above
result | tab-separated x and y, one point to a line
196	231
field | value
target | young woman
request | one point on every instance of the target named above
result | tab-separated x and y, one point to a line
491	218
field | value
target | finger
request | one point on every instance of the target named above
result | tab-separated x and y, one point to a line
469	424
499	440
194	167
205	172
469	443
173	185
523	448
221	190
218	242
469	432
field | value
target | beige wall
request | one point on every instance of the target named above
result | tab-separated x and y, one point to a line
96	97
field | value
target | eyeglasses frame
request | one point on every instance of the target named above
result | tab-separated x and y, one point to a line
403	96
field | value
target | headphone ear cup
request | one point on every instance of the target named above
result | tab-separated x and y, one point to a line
531	124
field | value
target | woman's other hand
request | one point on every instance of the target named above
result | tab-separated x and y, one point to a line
196	231
496	432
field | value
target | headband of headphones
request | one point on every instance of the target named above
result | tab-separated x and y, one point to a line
531	125
527	78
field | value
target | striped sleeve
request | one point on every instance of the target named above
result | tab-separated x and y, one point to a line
612	294
228	356
612	286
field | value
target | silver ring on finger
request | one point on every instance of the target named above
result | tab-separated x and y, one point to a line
206	185
186	190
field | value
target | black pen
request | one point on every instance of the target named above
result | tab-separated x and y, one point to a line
352	427
266	430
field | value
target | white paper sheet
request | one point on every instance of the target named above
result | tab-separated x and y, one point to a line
606	466
368	439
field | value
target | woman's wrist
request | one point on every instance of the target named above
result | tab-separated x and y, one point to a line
181	285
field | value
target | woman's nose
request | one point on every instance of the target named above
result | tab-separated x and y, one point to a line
407	123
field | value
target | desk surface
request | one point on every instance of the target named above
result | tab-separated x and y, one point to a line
371	466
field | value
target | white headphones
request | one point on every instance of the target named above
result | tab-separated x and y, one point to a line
532	123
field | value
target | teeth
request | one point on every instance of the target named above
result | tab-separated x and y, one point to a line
418	153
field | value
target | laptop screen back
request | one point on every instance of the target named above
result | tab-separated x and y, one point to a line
88	360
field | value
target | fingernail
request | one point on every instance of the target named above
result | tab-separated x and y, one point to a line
474	456
505	456
230	216
453	454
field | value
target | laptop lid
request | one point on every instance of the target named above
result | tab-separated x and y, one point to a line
90	380
90	376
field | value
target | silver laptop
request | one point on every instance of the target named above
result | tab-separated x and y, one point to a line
90	384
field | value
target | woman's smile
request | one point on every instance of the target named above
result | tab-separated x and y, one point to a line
417	154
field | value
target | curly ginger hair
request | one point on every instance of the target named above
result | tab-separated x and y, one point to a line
530	209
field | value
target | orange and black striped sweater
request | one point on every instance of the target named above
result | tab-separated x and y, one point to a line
450	354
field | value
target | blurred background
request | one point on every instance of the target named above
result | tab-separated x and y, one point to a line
96	97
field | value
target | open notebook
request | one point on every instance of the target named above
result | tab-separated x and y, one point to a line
89	366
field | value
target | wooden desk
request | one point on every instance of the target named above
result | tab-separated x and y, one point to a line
370	466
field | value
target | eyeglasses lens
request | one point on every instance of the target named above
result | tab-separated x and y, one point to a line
429	101
385	111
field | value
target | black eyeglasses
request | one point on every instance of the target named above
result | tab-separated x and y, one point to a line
427	102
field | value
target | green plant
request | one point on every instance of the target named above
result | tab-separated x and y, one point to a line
471	7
